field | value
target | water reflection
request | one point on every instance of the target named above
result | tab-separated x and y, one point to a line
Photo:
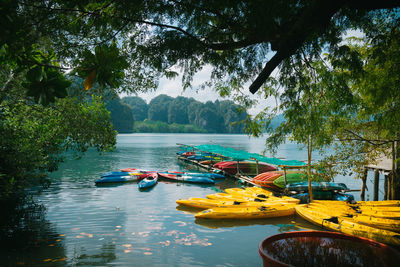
325	251
106	255
26	237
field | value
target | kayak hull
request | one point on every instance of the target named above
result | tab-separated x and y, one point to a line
247	213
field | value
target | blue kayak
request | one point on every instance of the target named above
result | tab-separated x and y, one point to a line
318	186
202	174
324	195
148	182
343	197
186	178
110	174
117	179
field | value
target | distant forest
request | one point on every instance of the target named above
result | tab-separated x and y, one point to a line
165	114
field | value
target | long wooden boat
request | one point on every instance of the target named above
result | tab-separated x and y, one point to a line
346	226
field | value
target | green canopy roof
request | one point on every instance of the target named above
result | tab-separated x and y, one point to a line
235	154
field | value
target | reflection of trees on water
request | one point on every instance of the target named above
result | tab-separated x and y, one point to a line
315	251
284	223
106	255
26	237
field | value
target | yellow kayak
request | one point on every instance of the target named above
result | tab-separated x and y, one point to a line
363	218
383	203
242	198
204	203
247	213
359	208
326	220
378	212
245	193
259	191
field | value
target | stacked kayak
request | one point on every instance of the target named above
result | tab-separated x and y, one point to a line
205	174
324	195
275	180
365	220
265	178
290	178
186	178
318	186
236	203
122	178
244	167
151	177
321	191
247	213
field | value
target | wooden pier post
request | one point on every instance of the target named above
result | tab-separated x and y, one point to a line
364	180
385	188
376	185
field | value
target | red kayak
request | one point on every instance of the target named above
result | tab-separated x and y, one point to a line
244	167
263	178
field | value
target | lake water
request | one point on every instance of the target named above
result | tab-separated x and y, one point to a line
87	225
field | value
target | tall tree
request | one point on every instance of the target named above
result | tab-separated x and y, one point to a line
138	105
158	108
121	115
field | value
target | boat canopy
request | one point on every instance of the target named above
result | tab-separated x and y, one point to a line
238	155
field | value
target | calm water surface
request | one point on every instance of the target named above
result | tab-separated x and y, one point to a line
87	225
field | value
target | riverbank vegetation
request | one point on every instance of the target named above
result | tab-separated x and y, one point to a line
184	115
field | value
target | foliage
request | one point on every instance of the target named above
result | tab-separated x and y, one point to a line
121	115
128	45
138	105
34	137
162	127
217	117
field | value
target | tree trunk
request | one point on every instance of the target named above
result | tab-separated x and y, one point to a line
309	150
364	181
393	182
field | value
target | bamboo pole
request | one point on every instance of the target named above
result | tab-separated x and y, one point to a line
309	167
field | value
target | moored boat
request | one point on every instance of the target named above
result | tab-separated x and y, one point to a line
186	178
244	167
290	178
335	223
205	203
117	179
247	213
318	186
149	181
